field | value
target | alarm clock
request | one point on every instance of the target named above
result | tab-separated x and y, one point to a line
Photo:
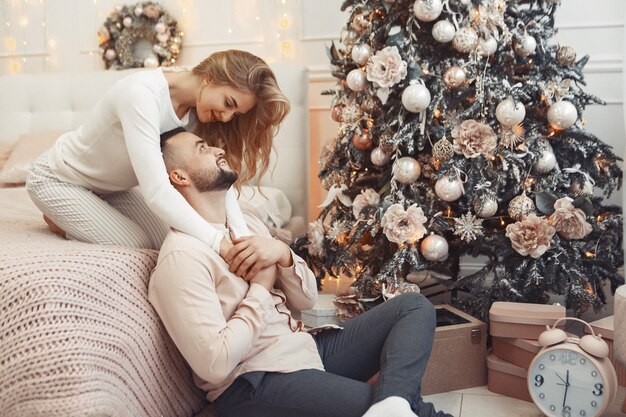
572	377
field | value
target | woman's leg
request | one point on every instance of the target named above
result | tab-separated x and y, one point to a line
132	204
394	338
83	215
306	393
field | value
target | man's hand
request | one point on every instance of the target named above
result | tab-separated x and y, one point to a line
265	277
250	254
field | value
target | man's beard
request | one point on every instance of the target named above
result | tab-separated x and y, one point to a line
204	180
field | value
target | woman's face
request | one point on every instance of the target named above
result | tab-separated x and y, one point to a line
220	103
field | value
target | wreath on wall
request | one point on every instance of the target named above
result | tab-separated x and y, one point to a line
139	35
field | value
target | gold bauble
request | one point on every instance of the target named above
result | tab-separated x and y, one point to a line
443	150
521	206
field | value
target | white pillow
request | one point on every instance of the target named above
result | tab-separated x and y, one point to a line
273	208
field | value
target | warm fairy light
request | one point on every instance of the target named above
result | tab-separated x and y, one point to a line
284	22
9	43
529	182
286	46
23	21
502	222
437	113
14	67
449	212
590	254
552	133
583	121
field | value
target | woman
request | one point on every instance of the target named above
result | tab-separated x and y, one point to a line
84	184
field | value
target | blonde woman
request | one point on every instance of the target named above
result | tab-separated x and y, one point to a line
85	185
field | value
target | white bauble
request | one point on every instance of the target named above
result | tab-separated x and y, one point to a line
487	47
546	161
434	248
526	46
138	11
465	40
110	54
406	170
443	31
127	22
488	208
562	115
379	157
163	37
584	189
447	189
151	61
160	27
509	113
356	80
427	10
361	52
416	98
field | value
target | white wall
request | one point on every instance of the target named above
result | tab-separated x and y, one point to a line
60	35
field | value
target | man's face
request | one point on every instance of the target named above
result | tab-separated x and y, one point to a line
206	166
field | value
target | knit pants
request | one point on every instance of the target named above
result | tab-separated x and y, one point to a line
121	218
394	338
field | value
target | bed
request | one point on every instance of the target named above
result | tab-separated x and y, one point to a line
77	334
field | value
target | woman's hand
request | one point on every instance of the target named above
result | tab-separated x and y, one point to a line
225	246
253	253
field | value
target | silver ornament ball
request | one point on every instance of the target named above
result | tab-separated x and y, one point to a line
416	98
566	56
406	170
509	113
434	248
521	206
486	208
361	52
356	80
526	46
447	189
546	161
110	54
379	157
427	10
151	61
487	47
562	115
443	31
465	40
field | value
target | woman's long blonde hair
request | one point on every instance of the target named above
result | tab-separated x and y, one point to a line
247	139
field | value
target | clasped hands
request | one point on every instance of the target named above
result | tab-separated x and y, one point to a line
249	255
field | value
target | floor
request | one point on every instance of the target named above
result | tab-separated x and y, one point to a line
480	402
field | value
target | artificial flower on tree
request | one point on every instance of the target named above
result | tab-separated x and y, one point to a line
461	134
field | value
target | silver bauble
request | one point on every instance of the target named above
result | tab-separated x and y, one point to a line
443	31
447	189
487	47
562	115
546	161
427	10
151	61
579	189
416	98
356	80
465	40
348	37
509	113
454	77
138	11
486	208
379	157
521	206
127	22
361	23
361	52
406	170
160	27
442	150
526	46
110	54
566	56
434	248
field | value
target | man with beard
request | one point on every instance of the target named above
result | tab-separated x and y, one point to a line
234	325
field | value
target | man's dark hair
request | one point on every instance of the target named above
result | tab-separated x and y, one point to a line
166	135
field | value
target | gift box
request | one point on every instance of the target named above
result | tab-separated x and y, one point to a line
519	352
605	328
458	358
322	313
522	320
507	379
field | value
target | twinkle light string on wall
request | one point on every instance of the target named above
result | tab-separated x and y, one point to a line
16	23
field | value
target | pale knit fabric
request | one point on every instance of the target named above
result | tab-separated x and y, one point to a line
118	148
78	336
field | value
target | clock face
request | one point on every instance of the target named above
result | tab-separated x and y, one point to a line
566	383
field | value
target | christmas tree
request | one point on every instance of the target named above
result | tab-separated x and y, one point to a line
461	134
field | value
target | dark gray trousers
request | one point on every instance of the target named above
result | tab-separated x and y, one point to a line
394	338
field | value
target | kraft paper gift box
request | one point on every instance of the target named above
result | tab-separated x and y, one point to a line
507	379
605	327
522	320
458	357
519	352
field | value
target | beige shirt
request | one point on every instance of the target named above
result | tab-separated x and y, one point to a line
224	326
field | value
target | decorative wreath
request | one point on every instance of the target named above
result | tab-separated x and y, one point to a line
139	35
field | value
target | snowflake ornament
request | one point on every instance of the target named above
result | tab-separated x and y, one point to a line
468	227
